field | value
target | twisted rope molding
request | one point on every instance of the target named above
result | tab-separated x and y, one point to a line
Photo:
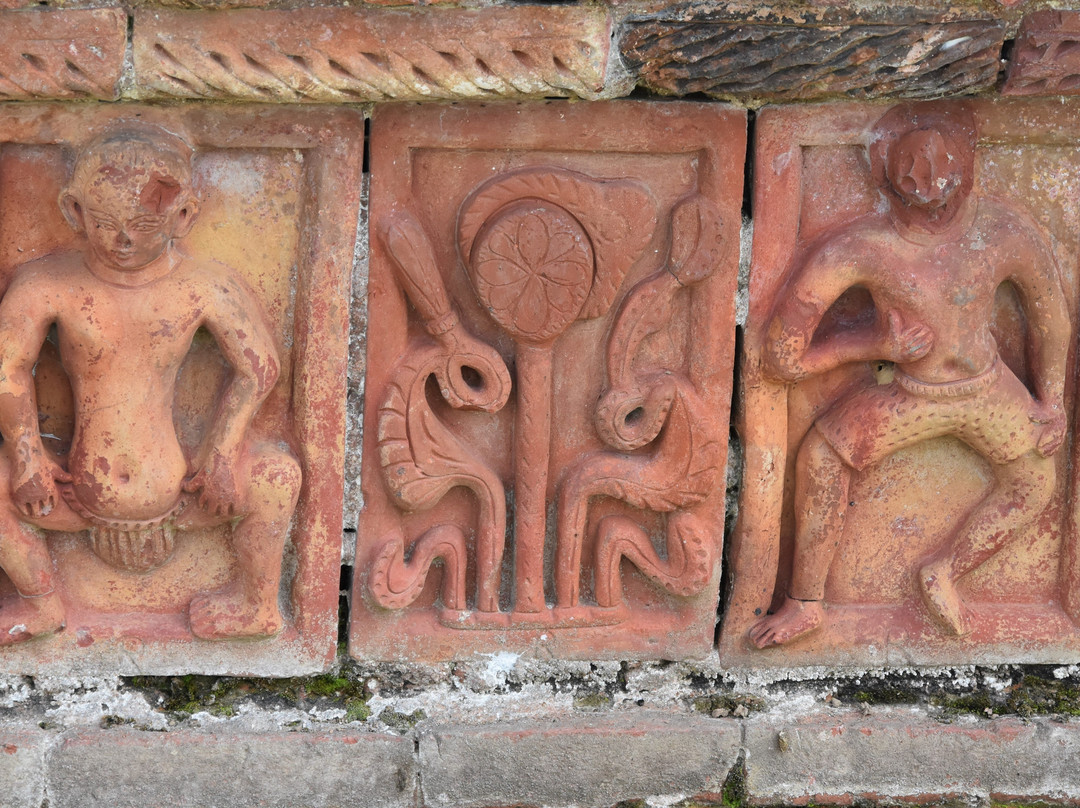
61	54
371	54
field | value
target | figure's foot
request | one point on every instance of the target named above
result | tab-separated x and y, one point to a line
22	618
944	602
794	619
230	613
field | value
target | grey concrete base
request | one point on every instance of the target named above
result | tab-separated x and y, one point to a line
904	754
821	756
588	763
125	768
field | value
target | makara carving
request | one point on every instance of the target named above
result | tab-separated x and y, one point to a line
935	322
544	256
125	311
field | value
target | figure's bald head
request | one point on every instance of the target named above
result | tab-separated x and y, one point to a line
149	165
923	153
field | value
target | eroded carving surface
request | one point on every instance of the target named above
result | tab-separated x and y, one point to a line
1046	56
733	60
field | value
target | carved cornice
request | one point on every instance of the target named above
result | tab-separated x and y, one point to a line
348	55
61	54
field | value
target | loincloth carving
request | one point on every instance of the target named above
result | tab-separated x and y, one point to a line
137	545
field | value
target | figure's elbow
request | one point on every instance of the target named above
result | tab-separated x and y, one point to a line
262	372
783	358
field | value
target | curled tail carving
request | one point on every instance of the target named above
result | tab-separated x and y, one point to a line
685	572
395	582
422	460
642	407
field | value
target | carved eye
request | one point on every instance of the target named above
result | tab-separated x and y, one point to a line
147	226
101	224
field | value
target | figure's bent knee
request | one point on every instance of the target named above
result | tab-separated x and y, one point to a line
817	453
1034	478
275	474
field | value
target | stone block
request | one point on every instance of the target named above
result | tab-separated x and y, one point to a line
905	399
587	763
751	61
576	511
22	767
346	55
1046	55
125	768
69	54
175	348
841	758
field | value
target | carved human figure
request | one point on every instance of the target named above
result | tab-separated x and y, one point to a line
932	263
126	308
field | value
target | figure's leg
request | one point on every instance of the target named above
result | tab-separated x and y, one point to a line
248	606
25	558
1022	489
822	481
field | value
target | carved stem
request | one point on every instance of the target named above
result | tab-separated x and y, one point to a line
532	454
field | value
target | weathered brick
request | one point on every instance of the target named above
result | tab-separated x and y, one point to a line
77	53
748	61
324	54
125	768
588	762
838	757
1046	57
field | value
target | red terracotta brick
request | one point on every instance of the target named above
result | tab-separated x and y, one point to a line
326	54
1046	57
566	274
62	54
210	288
905	394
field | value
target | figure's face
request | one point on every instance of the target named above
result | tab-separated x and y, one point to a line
129	217
922	170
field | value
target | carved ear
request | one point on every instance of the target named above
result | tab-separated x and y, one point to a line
73	211
186	215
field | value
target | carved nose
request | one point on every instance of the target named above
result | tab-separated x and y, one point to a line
123	238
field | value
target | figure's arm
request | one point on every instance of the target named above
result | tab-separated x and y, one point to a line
236	321
24	322
1033	271
791	353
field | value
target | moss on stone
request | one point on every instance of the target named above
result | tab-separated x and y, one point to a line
593	701
722	705
402	722
183	696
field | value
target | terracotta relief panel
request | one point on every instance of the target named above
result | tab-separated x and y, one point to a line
172	357
907	388
549	376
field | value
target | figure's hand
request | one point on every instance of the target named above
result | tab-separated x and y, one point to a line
219	494
33	487
905	343
1052	434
